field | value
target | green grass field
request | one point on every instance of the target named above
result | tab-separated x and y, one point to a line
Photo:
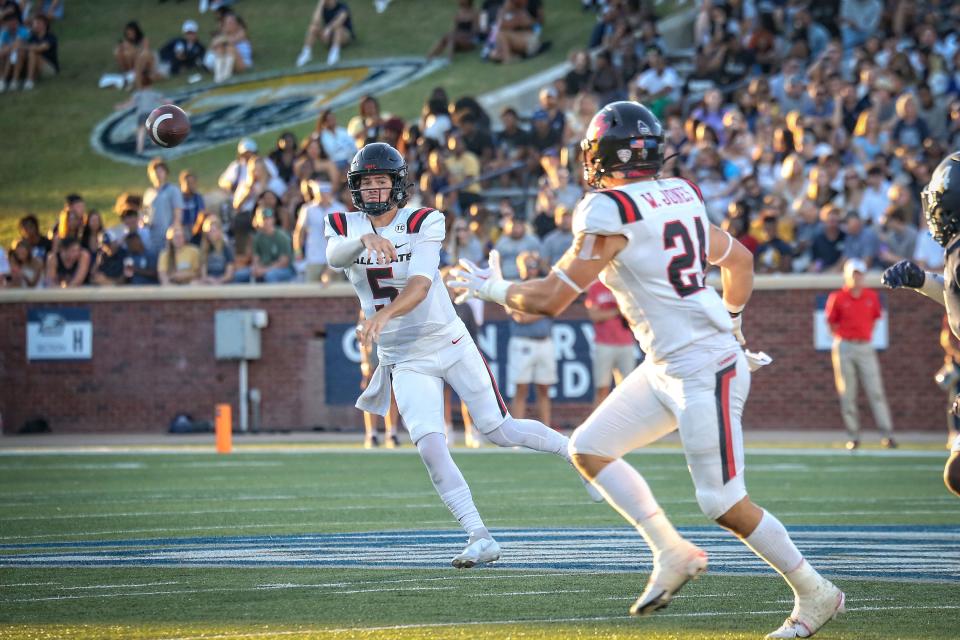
46	132
277	544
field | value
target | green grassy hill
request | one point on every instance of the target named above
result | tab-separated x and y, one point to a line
45	132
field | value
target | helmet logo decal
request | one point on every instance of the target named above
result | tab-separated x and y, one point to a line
624	154
642	128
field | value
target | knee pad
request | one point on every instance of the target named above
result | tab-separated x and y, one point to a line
581	442
714	501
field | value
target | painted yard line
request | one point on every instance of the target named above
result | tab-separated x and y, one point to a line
624	618
456	576
527	593
29	584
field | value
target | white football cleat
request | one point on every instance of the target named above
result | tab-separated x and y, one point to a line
812	611
671	570
480	551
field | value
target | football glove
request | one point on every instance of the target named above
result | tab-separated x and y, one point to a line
476	282
904	274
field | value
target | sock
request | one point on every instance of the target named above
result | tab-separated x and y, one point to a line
628	493
460	503
530	434
771	542
449	483
305	51
334	54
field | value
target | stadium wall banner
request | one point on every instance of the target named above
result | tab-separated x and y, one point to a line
255	103
823	339
572	339
59	334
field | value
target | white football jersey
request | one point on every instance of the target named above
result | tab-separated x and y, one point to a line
658	278
417	233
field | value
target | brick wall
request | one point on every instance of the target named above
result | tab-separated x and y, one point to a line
155	357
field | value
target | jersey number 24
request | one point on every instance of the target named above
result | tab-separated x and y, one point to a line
682	272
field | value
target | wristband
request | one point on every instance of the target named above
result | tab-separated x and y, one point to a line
496	290
733	309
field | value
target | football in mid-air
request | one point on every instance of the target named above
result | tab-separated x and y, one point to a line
168	125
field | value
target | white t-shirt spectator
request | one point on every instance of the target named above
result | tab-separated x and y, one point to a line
313	218
339	145
928	253
652	82
236	172
874	203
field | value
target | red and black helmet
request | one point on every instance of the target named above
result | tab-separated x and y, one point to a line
623	138
378	158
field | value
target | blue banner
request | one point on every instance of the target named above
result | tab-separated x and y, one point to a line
572	339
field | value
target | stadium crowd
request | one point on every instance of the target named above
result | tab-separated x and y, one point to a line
809	127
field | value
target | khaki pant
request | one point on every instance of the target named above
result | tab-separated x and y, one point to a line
852	362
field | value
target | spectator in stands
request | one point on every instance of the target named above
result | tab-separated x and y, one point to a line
860	241
476	140
127	208
70	221
284	156
435	179
162	203
851	313
336	142
659	85
774	255
851	196
818	187
556	243
109	263
578	78
69	265
258	181
614	351
231	49
515	241
463	166
463	36
140	267
579	117
132	52
544	137
462	244
512	146
875	199
309	239
531	356
517	32
549	99
898	237
194	208
184	53
179	262
39	54
332	24
605	82
29	228
92	230
367	126
272	252
827	248
26	269
216	256
858	21
909	130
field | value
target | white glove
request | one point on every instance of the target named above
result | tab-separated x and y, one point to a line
737	319
475	282
755	360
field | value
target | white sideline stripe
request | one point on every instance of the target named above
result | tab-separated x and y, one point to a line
432	625
28	584
121	586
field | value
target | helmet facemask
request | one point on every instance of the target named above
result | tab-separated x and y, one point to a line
396	198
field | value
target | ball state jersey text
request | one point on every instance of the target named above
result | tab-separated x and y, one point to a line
658	278
417	234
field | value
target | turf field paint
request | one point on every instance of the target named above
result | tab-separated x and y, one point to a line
915	553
